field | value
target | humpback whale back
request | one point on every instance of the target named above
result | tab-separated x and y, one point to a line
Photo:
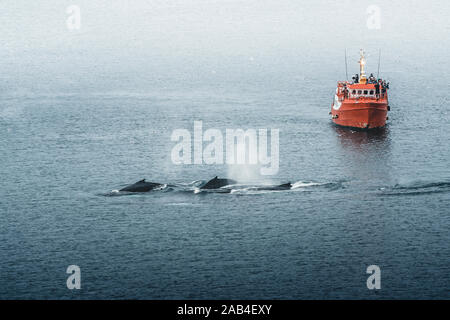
285	186
217	183
141	186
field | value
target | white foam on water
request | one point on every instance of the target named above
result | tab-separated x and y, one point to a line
301	184
162	187
253	190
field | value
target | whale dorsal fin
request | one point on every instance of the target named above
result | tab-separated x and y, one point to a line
142	181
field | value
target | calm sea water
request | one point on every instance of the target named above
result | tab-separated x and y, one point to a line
367	197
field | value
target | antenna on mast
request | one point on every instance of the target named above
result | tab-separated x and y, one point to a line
346	73
379	58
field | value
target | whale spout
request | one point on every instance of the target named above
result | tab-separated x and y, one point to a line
217	183
141	186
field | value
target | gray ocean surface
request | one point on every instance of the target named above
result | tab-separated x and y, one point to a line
71	133
368	198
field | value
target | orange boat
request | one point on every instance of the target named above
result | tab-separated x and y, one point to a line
362	103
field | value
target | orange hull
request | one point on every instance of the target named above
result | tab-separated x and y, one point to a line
360	105
364	115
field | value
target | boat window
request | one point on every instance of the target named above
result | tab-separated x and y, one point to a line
365	91
354	91
359	91
371	91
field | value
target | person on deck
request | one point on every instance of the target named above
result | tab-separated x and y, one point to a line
345	92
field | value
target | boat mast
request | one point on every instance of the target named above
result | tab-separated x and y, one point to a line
346	73
362	62
379	58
